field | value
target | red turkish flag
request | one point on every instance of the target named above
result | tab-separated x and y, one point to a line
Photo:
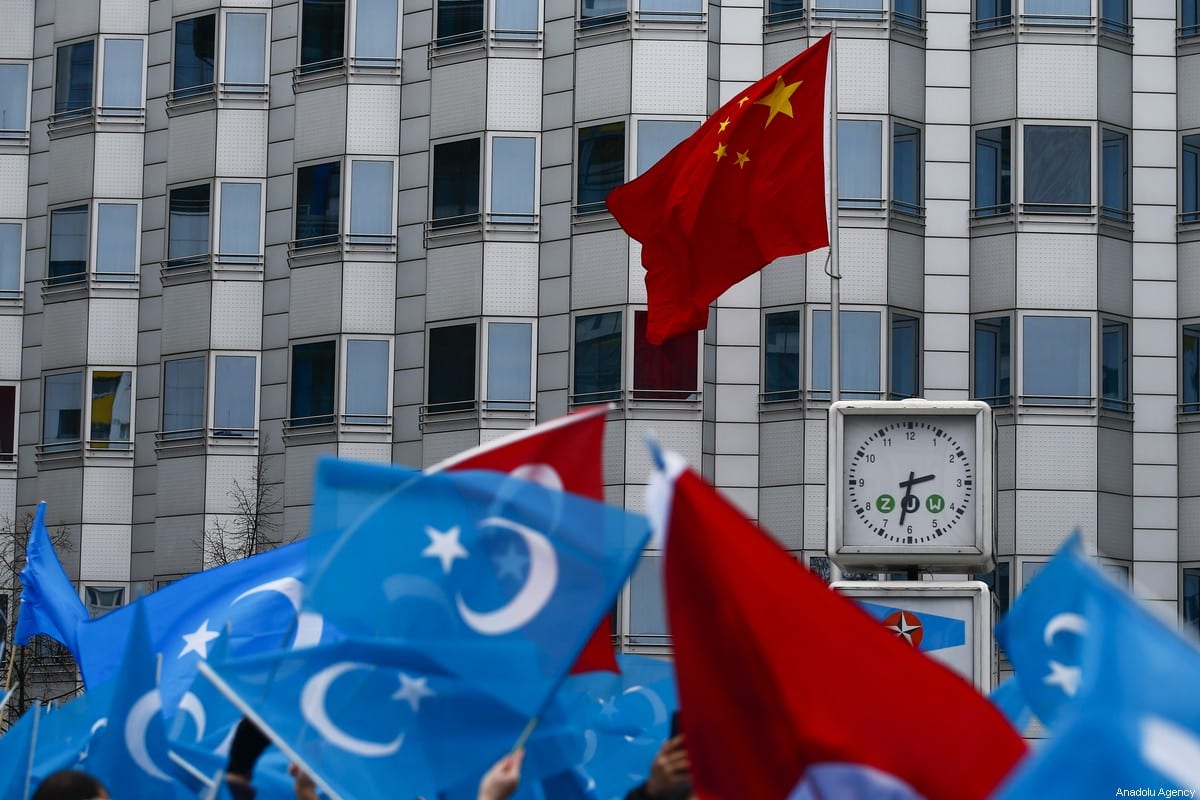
572	448
743	190
786	685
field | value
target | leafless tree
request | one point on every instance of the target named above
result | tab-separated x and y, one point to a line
253	525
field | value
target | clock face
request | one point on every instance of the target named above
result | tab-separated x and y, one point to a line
909	480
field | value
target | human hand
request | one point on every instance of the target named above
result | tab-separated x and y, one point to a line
502	779
304	786
671	770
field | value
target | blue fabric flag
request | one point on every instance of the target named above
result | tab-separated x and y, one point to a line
1009	698
254	601
17	752
369	718
471	557
49	602
67	732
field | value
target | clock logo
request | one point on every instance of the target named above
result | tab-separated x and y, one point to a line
909	481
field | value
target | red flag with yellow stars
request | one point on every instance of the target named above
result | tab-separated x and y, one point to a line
745	189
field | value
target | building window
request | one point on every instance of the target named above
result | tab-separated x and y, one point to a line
993	348
647	609
1114	365
991	14
908	13
1114	175
459	21
509	366
14	101
596	370
906	169
451	368
1056	357
244	67
1189	17
68	245
1057	174
372	192
110	413
123	77
368	377
781	359
860	163
599	12
74	76
1190	179
1057	12
670	11
239	231
779	12
62	410
667	371
314	383
601	165
322	34
103	599
194	70
999	582
1191	600
455	183
657	137
993	172
1114	16
8	424
116	241
189	218
318	204
183	397
859	357
516	19
235	396
514	180
1190	365
376	27
848	9
905	363
11	252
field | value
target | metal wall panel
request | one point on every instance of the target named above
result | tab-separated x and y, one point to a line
237	315
906	77
186	318
118	165
368	297
863	66
219	477
440	445
124	16
599	274
1056	271
1188	67
782	280
191	147
1115	95
459	99
241	143
1056	457
1056	81
104	553
300	466
112	332
668	77
1115	455
67	347
514	97
815	534
455	282
1189	529
859	247
71	167
83	20
510	278
905	270
106	495
602	81
1115	286
681	436
16	34
316	296
375	452
1045	519
374	120
781	445
320	123
10	350
180	486
781	511
178	544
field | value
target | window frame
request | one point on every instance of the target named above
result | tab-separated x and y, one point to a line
97	610
20	135
343	375
1189	216
11	458
63	445
1108	213
324	240
1005	401
227	260
319	421
1193	18
176	434
80	113
94	243
457	222
196	259
210	416
811	392
1001	209
1056	209
1054	403
203	90
496	33
600	207
575	398
635	121
337	418
15	295
387	240
457	407
918	323
349	55
74	278
1190	626
1123	403
650	395
787	395
869	205
1189	406
133	113
224	87
506	407
499	219
90	444
905	208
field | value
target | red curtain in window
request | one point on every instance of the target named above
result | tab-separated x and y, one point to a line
668	371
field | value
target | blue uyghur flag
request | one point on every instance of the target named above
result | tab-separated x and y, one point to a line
129	754
473	558
49	602
370	719
67	732
16	753
254	601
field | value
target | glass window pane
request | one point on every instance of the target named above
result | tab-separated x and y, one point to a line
516	17
68	244
195	51
459	21
860	163
245	52
322	32
116	241
314	383
122	76
601	164
993	171
456	183
1114	364
597	365
992	13
8	422
73	75
14	98
1190	195
318	202
781	372
1114	177
241	220
858	357
375	27
1191	600
906	357
1058	172
1189	17
647	610
62	408
676	10
510	365
908	12
371	199
1114	14
849	9
112	405
368	373
657	137
1190	365
993	342
667	371
10	258
906	168
235	392
187	229
595	9
451	367
183	396
1057	365
514	173
1063	12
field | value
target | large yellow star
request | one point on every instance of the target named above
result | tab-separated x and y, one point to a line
779	100
720	151
742	158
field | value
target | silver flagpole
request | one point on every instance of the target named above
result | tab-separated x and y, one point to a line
834	270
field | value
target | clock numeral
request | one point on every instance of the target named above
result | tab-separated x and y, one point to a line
951	458
958	482
910	528
910	435
869	458
861	482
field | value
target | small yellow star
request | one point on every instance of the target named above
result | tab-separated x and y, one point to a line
779	100
742	158
743	101
720	151
724	125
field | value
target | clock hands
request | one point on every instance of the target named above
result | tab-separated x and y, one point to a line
910	502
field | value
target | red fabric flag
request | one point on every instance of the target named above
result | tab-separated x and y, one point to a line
785	685
743	190
568	452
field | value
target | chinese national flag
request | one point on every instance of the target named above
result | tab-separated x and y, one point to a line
743	190
789	690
